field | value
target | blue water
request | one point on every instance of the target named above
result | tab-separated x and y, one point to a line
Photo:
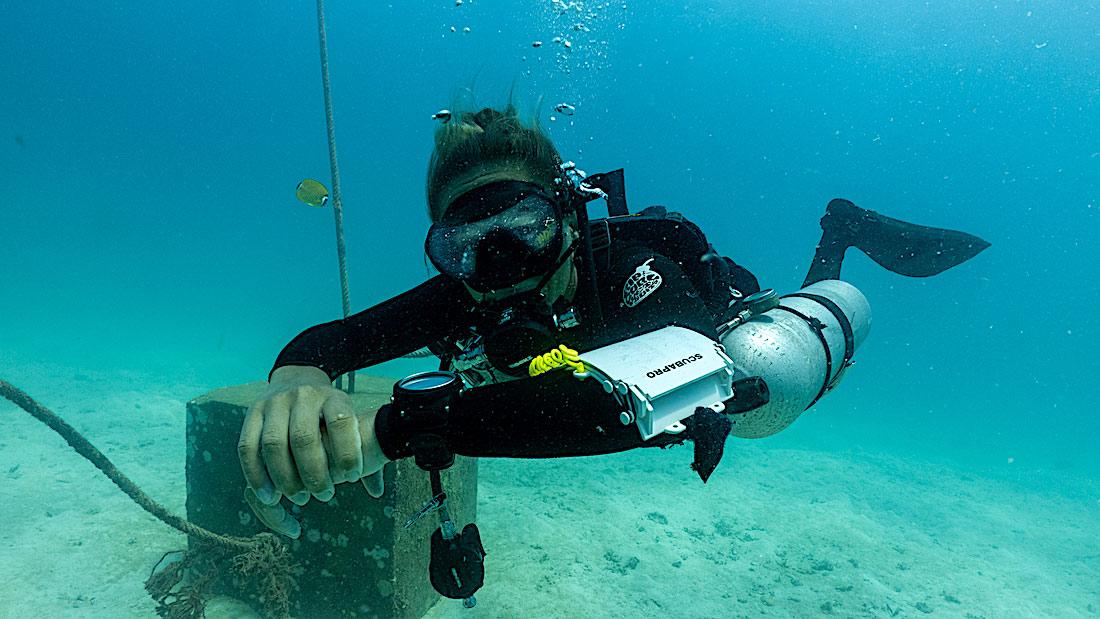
150	153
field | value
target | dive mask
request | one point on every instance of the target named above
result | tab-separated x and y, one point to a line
497	235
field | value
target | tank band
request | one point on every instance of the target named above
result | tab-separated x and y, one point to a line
818	328
841	317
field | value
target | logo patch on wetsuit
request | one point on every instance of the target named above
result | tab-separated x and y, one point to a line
643	282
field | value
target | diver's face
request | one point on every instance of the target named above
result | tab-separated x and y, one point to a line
562	284
503	239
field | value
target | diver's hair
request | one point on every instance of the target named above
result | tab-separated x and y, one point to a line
488	141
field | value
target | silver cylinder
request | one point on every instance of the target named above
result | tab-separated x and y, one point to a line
786	350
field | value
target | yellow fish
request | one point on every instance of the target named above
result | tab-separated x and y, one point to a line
312	193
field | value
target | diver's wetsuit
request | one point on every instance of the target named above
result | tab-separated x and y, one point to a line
547	416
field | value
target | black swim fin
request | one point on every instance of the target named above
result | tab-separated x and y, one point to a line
901	247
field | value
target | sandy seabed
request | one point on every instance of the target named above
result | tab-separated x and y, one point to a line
778	532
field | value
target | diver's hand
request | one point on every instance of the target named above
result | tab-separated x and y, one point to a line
281	449
279	520
285	448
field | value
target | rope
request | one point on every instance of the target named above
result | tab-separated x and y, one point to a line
101	462
261	558
337	204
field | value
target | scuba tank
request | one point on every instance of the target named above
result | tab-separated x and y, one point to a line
799	344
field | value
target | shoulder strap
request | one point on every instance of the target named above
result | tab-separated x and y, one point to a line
613	185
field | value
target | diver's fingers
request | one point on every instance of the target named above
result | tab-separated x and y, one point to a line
344	444
275	443
274	516
252	462
374	484
308	450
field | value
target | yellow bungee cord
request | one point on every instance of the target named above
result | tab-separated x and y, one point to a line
561	356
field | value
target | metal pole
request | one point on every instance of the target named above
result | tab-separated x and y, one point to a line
337	204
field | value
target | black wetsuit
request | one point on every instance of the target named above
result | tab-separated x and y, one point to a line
547	416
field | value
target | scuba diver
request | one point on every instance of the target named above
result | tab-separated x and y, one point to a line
570	336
